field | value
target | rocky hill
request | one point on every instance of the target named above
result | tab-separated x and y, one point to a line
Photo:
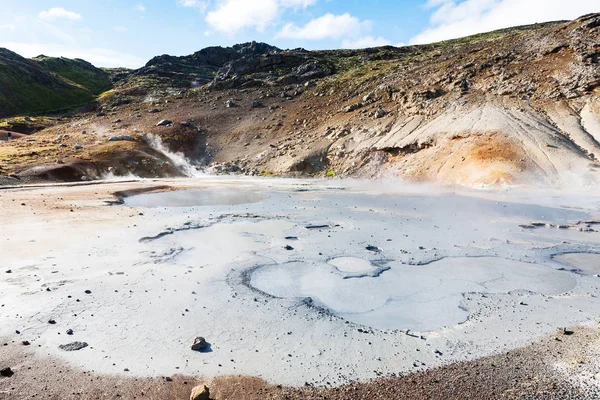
511	106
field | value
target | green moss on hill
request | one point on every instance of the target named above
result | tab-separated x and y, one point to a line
77	71
29	87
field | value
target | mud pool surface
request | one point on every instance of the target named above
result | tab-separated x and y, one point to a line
292	281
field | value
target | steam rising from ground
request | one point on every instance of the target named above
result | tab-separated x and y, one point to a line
180	162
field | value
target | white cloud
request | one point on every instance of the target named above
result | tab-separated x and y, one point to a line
297	3
365	42
327	26
120	28
231	16
100	57
140	7
199	4
59	13
457	18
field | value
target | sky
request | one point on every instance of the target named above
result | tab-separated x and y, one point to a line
127	33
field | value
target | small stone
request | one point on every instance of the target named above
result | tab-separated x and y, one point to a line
69	331
201	392
7	372
567	332
229	103
9	271
164	122
88	292
52	322
288	247
75	346
25	343
199	344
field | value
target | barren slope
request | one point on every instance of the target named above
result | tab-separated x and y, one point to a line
505	107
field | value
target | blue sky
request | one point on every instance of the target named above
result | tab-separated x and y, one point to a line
129	32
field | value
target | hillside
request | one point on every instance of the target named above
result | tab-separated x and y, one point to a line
45	84
78	72
512	106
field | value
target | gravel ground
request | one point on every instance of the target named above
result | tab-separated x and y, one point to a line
563	366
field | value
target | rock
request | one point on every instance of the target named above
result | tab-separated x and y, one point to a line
185	123
52	322
367	98
164	122
374	249
201	392
25	343
317	227
78	147
153	111
256	104
567	332
353	107
288	247
121	138
69	331
9	271
380	113
229	103
7	373
199	344
116	121
75	346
